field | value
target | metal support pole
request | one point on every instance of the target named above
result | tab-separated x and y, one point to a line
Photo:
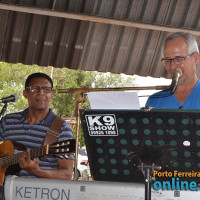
147	184
79	99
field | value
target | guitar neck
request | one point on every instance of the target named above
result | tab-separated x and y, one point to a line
57	148
14	159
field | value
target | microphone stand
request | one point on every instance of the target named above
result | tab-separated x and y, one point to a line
3	110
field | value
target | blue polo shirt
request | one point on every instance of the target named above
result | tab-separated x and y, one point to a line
15	127
164	99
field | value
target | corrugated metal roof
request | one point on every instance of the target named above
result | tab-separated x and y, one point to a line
119	36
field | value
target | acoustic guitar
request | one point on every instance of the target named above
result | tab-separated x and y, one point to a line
8	158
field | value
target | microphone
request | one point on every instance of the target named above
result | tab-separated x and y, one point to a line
177	73
11	98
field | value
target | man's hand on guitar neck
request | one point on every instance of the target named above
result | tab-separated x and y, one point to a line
25	162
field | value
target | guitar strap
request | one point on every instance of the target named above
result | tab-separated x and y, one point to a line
54	131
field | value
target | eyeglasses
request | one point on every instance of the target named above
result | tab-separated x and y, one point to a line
177	60
36	89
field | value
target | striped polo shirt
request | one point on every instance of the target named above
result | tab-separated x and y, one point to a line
16	128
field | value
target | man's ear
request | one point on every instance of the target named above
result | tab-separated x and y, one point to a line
25	93
196	57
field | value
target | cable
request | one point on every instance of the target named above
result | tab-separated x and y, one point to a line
158	96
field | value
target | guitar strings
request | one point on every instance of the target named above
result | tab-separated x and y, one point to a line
13	159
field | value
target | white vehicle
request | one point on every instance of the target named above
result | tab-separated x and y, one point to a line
82	164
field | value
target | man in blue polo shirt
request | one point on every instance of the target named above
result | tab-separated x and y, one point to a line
30	126
180	52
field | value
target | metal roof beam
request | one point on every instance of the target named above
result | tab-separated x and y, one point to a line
97	19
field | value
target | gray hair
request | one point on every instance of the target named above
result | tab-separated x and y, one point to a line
190	40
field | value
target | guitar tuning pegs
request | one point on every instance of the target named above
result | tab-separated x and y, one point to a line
59	156
66	156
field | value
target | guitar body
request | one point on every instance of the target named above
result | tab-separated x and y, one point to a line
6	149
10	160
15	169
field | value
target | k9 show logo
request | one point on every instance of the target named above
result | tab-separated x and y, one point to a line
102	125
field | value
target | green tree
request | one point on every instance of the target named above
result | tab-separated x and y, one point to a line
13	76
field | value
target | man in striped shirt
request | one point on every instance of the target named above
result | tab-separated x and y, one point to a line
30	126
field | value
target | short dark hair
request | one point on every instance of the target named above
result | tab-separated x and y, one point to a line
37	75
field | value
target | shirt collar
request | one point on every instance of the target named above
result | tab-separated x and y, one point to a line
48	120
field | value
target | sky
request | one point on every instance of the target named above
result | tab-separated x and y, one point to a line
148	81
98	101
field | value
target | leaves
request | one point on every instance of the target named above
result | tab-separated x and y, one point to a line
13	77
